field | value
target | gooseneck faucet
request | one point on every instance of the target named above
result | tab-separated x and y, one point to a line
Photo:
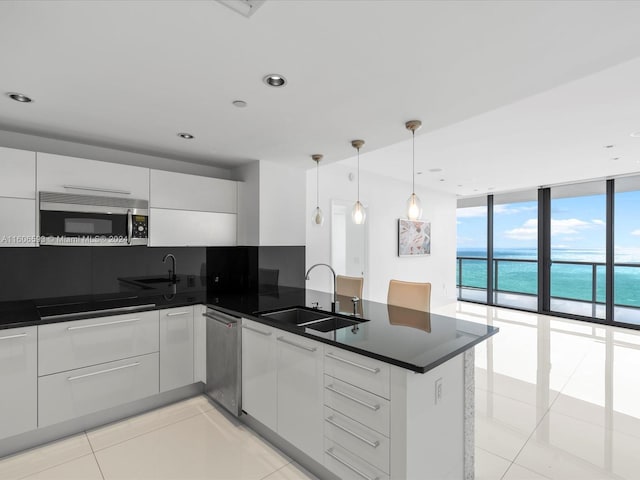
172	272
334	304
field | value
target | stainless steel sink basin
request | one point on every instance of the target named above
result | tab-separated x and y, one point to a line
155	280
312	319
297	316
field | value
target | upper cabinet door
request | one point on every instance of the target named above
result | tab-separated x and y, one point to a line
180	191
18	178
57	173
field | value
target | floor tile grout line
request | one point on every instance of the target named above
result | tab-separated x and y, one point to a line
150	431
275	471
93	452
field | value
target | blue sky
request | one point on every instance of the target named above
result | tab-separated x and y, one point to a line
576	223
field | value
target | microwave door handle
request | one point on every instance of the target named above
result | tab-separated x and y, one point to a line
129	226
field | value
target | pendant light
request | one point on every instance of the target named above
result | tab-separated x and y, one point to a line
317	218
358	214
414	206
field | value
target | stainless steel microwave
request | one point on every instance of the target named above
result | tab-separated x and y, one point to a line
67	219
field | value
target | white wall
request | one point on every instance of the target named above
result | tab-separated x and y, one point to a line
248	176
385	200
35	143
282	204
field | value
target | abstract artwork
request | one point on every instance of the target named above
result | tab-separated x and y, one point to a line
414	238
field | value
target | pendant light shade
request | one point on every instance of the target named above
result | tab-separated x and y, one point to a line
358	213
414	206
317	217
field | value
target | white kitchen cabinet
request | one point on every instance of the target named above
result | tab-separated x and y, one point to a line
259	372
181	191
176	348
18	179
199	344
17	222
81	343
57	173
17	198
176	228
300	392
71	394
19	380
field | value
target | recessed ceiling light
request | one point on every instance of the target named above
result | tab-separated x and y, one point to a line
418	173
435	170
442	179
459	185
274	80
19	97
615	158
186	136
608	146
636	134
239	103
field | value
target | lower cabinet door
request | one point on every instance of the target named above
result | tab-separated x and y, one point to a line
176	348
18	381
300	392
259	375
67	395
348	466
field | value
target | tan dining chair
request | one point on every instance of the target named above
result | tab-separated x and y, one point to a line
416	296
349	286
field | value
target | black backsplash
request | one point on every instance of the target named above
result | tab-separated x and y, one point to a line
54	271
264	269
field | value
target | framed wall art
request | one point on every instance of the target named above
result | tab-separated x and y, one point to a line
414	238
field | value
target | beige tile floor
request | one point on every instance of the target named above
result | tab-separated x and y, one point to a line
555	399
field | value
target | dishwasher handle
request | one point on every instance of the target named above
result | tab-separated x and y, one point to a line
227	320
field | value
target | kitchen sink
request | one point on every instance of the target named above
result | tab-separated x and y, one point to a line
312	319
155	280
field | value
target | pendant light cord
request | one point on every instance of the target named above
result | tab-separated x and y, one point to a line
317	184
413	163
358	174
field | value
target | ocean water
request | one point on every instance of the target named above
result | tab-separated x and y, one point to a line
517	271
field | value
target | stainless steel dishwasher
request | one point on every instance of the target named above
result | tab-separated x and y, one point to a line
224	370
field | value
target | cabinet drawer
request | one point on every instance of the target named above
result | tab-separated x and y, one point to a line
69	345
18	380
363	372
360	405
347	465
68	395
357	439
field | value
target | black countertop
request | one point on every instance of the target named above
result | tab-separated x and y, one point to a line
406	338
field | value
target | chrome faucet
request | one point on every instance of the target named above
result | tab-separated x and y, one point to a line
334	304
172	272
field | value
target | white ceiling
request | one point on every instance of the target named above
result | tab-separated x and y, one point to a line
130	75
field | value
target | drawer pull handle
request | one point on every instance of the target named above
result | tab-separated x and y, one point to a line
175	314
266	334
96	189
374	444
304	347
81	327
19	335
331	388
349	362
221	318
78	377
348	465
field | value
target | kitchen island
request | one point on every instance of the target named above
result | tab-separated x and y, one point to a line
390	397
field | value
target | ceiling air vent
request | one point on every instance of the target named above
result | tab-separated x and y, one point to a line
246	8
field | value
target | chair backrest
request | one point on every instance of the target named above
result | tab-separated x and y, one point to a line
416	296
349	286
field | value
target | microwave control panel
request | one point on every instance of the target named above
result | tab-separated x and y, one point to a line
140	227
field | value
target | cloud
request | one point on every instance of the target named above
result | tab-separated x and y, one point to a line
636	232
528	231
470	212
598	222
567	227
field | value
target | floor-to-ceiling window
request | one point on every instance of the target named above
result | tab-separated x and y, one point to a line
570	250
578	249
471	267
627	250
515	250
